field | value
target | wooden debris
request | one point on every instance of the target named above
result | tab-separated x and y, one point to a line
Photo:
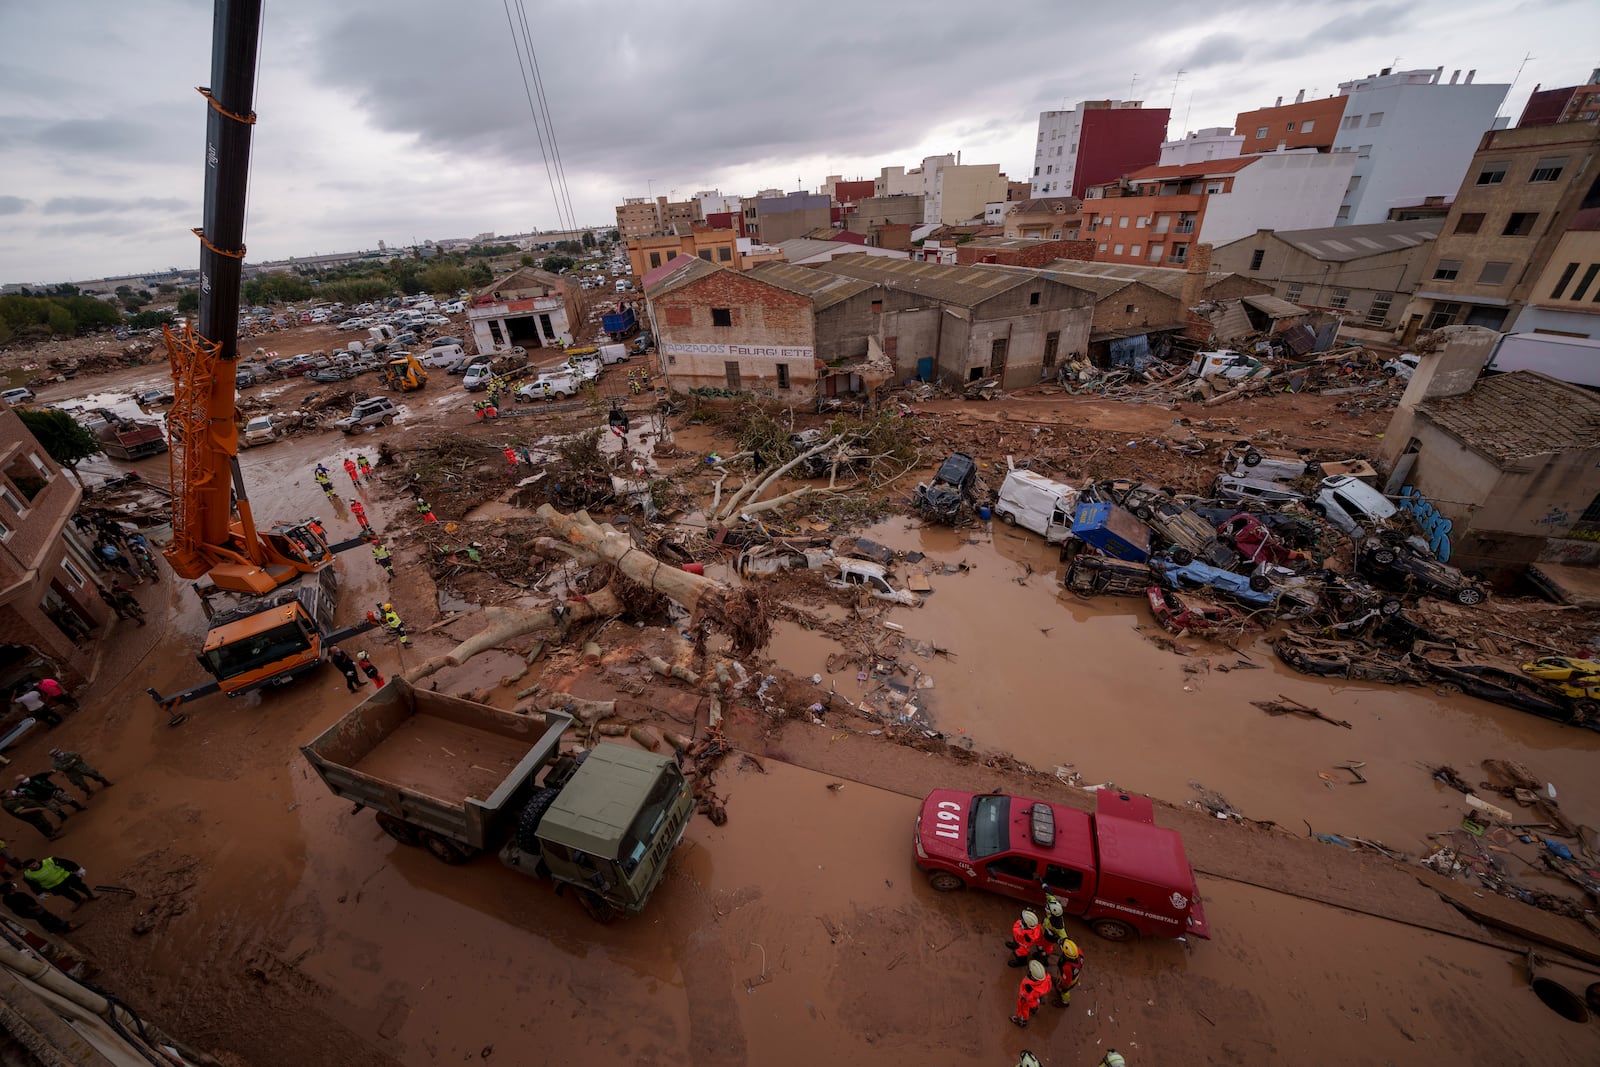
1284	706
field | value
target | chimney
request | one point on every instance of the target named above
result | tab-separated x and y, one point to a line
1470	75
1196	275
1300	97
1385	72
1438	72
1278	102
1455	76
1281	146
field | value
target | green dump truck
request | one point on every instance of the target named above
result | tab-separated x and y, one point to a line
459	778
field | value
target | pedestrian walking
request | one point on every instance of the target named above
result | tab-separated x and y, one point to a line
76	769
58	875
129	604
392	622
55	694
1035	986
43	789
369	668
114	558
25	906
347	667
425	511
353	472
381	556
1026	939
365	467
29	811
322	478
359	510
33	704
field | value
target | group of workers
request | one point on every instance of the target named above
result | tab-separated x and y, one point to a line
358	469
1033	945
34	797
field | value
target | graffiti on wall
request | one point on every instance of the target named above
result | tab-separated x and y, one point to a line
1435	526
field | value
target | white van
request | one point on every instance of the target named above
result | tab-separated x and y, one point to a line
1243	490
1036	503
1351	504
610	354
445	356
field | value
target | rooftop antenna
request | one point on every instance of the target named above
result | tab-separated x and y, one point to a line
1131	83
1176	78
1187	111
1514	80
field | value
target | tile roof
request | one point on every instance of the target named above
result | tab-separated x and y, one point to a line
1046	205
967	286
1523	413
1339	244
825	290
675	273
1205	169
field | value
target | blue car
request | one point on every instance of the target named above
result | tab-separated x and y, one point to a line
1252	589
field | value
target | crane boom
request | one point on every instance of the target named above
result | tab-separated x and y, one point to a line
207	488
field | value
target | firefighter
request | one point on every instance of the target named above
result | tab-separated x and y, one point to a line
369	668
321	476
1027	937
1055	923
366	468
1072	961
392	622
355	475
359	510
380	555
1028	1059
425	511
1112	1058
1035	986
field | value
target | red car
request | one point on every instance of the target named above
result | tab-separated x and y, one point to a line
1257	543
1115	869
1190	615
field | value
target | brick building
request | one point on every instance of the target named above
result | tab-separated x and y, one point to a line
1021	251
1521	193
774	219
713	245
1573	103
1302	124
637	217
49	603
1054	218
961	324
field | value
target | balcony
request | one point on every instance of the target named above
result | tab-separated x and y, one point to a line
1184	227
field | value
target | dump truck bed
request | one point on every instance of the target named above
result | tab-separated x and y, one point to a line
458	768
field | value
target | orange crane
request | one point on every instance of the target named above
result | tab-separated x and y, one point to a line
281	618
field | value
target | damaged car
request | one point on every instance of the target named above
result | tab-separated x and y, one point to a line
1400	565
954	486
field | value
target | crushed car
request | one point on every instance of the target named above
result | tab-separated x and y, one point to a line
954	486
1401	566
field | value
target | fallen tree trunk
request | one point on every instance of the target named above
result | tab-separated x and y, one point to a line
504	624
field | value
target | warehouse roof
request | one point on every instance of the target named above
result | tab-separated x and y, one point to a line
1524	413
825	290
967	286
1339	244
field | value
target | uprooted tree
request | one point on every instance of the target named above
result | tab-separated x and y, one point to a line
712	605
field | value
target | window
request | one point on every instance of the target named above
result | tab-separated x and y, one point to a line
783	376
997	355
1493	173
1261	133
1143	222
1364	151
1156	252
1062	879
1344	213
1133	250
731	369
11	500
1291	127
1116	250
724	254
1052	342
1033	299
1441	315
672	255
1375	119
1180	253
1050	168
1583	286
5	530
705	254
1561	283
1355	183
1469	221
1102	246
1256	257
655	260
1019	867
1447	270
1292	293
877	307
1352	122
1520	223
73	573
1494	273
1035	172
1340	299
1548	170
1379	311
1123	222
1213	187
721	317
1310	124
26	476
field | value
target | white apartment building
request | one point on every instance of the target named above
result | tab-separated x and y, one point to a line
1215	142
712	201
1412	137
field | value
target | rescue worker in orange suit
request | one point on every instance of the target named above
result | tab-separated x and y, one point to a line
360	512
1027	939
1035	986
355	475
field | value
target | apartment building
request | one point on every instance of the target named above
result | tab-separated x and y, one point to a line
772	220
712	244
1097	141
1301	124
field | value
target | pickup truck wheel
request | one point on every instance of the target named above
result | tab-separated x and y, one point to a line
1447	689
945	882
1113	930
399	829
600	910
1469	595
1182	557
444	849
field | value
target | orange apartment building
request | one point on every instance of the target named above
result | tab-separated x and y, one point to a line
1302	124
645	254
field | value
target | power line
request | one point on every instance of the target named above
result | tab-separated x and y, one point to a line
549	119
522	68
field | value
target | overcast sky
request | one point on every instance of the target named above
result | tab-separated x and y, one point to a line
397	120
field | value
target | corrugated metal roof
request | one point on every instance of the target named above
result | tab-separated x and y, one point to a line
963	285
825	290
1338	244
676	273
799	248
1524	413
1273	306
1168	280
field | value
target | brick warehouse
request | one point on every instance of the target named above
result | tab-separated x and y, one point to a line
716	328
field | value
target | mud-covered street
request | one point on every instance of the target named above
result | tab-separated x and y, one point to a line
274	924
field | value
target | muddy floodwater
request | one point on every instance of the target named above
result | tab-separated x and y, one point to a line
1067	682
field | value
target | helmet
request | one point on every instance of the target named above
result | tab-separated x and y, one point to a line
334	648
1036	970
1069	948
1029	919
388	607
362	654
1114	1059
1053	906
1027	1059
55	752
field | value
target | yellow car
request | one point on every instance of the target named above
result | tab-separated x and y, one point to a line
1576	679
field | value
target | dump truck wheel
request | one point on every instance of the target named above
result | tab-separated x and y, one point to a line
945	882
599	909
445	850
399	829
528	822
1113	930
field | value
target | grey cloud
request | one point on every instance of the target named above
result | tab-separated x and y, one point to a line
13	205
96	205
1215	50
1380	20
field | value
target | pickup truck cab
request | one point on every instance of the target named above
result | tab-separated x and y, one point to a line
1115	868
16	396
551	384
372	411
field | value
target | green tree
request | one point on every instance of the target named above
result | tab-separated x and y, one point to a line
188	300
588	239
557	264
167	288
61	435
150	320
61	322
444	278
527	260
135	301
614	236
479	275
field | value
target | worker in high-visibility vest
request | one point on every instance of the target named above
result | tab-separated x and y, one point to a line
380	555
392	622
57	875
425	511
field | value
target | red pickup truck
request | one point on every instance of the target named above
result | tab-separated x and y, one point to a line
1115	869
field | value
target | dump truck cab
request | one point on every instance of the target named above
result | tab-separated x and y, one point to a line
608	830
1114	868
